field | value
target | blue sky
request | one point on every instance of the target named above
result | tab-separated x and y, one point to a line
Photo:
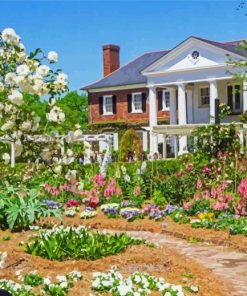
78	29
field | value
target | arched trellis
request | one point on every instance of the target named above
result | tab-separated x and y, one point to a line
107	138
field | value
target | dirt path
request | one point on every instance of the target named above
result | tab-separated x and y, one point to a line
230	265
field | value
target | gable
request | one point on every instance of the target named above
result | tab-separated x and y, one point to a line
192	54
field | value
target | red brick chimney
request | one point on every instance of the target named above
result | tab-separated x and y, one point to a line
110	58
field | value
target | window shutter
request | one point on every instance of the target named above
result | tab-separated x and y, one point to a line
114	104
160	100
129	100
100	105
230	96
144	101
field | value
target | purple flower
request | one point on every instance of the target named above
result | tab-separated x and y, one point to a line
53	204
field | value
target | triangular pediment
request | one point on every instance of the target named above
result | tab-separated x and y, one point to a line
191	54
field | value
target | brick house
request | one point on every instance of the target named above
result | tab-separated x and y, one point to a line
176	86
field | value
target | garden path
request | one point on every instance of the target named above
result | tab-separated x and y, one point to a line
227	263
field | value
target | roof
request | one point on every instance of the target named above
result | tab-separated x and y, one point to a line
131	72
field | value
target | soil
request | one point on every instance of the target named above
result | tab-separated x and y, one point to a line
160	261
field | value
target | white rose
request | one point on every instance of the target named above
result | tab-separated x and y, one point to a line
16	97
61	77
43	70
9	35
52	56
6	158
10	78
23	70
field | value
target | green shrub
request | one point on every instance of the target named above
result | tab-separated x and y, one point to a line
130	144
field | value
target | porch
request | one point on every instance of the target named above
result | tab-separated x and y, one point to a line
193	103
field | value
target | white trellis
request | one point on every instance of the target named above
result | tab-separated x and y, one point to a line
107	138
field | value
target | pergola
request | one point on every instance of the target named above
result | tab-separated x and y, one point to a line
178	131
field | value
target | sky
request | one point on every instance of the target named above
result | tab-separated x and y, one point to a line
78	29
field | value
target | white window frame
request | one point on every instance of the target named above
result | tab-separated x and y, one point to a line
200	97
133	105
104	105
164	107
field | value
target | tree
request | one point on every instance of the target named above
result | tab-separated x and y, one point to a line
75	107
130	145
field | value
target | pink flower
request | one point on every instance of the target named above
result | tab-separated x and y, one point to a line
220	206
189	166
118	191
242	188
187	205
206	169
199	184
178	174
137	190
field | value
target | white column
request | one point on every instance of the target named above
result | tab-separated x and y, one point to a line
189	105
213	91
153	120
182	116
173	115
164	147
245	96
145	141
115	141
12	155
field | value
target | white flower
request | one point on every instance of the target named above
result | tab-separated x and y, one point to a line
7	125
6	158
16	97
56	115
26	126
58	169
194	289
64	285
9	35
62	77
61	278
10	78
23	70
71	175
47	281
52	56
1	87
43	70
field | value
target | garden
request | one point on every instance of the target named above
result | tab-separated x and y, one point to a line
66	228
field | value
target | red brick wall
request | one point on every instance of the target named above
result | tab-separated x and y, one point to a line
122	108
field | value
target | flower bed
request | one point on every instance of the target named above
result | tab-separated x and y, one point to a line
157	262
63	243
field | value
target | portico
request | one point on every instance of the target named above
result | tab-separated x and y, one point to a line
194	74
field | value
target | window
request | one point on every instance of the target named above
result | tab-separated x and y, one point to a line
136	102
108	106
234	98
204	96
166	100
